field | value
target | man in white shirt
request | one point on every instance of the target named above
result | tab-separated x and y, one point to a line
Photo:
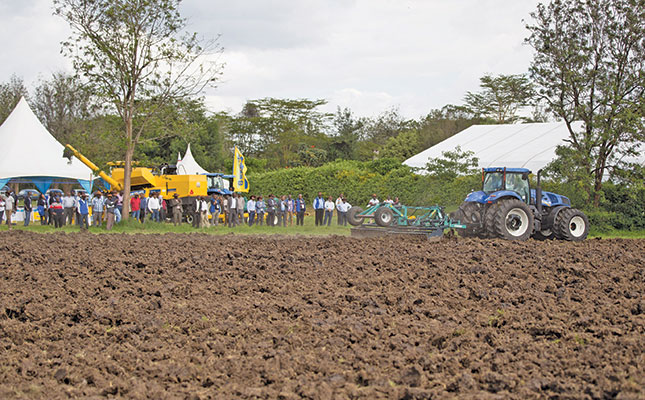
9	207
154	205
339	201
250	207
373	201
329	211
69	208
344	207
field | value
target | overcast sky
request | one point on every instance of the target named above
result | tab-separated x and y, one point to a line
368	55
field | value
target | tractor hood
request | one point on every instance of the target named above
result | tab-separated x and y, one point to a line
548	199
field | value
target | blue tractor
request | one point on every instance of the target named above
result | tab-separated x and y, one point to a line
507	208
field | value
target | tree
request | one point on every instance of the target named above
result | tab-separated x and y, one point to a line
136	55
401	147
452	164
63	105
10	94
589	66
501	97
275	128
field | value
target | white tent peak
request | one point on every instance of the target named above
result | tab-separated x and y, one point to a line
188	166
29	150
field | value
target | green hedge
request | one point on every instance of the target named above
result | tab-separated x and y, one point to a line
358	180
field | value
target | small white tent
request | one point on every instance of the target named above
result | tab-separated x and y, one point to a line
529	146
31	153
188	165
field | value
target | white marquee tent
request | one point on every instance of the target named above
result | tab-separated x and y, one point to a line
188	165
31	153
529	146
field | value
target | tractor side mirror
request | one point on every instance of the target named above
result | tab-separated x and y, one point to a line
525	176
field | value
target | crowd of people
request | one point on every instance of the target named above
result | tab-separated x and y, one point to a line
60	209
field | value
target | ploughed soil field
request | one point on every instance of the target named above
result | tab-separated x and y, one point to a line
199	316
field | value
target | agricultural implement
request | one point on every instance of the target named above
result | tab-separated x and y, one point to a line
387	219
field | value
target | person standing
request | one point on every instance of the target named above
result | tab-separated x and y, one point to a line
215	209
118	197
110	210
50	210
344	207
77	216
28	209
240	209
163	208
41	207
231	215
339	201
57	209
135	206
271	209
203	212
153	206
291	208
176	209
1	208
97	209
281	210
260	207
250	208
225	209
329	211
68	208
143	207
301	207
319	208
9	207
83	212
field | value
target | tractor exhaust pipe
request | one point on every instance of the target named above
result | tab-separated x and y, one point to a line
538	193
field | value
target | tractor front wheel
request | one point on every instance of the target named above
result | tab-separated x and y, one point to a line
571	225
513	220
352	216
384	217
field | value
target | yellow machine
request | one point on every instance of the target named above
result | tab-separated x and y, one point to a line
145	180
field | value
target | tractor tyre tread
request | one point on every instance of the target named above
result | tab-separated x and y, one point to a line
489	222
502	210
351	216
562	225
381	216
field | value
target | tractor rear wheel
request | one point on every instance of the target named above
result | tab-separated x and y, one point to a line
384	217
572	225
513	220
489	222
352	216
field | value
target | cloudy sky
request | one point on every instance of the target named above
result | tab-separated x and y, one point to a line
368	55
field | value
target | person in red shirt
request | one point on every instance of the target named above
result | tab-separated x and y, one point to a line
135	206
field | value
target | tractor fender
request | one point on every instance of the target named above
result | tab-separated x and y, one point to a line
550	218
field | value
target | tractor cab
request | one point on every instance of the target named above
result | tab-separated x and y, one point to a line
217	184
507	179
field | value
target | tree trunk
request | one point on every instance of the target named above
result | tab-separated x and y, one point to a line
597	188
127	168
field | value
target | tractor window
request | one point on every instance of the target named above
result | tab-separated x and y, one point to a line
518	184
493	182
215	182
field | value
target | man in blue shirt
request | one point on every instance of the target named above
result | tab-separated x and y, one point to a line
319	208
301	207
83	211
